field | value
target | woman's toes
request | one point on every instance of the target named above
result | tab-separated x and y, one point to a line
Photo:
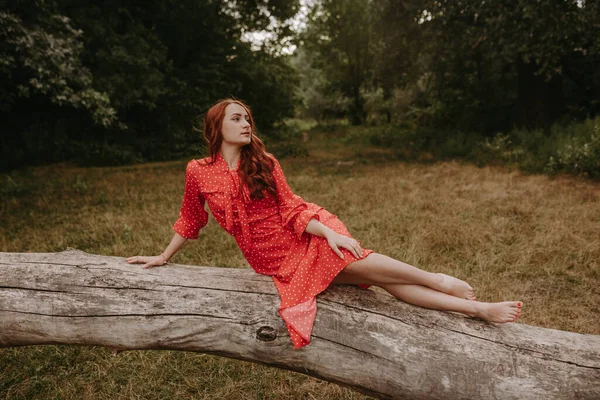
498	312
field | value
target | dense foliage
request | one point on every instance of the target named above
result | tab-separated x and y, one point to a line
118	81
472	65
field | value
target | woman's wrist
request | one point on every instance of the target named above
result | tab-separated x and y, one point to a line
328	232
165	259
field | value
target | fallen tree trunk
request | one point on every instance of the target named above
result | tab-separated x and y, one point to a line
362	339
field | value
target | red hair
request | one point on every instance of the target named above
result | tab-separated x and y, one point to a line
256	164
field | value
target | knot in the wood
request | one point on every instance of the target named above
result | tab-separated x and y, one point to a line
266	333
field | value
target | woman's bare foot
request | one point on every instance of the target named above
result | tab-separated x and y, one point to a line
456	287
506	311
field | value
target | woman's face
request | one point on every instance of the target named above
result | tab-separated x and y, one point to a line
236	125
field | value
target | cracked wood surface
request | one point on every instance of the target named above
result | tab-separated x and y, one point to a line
361	339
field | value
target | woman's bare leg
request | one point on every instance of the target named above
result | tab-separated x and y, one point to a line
378	269
418	295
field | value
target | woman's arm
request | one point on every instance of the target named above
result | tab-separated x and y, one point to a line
295	214
192	215
315	227
176	242
192	218
294	210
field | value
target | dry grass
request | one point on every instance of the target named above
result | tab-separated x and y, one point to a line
512	236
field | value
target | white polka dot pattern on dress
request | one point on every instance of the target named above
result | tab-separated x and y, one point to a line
192	215
271	234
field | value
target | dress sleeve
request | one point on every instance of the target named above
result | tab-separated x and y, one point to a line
294	210
192	215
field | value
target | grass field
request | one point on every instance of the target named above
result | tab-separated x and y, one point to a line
511	236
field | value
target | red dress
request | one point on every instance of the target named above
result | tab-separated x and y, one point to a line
271	235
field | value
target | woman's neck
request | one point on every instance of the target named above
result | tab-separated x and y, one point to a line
231	156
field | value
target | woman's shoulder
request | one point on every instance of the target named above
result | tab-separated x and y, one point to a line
203	161
199	162
197	167
204	175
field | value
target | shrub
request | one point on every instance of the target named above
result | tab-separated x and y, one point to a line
501	147
579	154
572	148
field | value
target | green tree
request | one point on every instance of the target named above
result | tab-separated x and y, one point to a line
41	58
142	70
166	61
315	99
42	76
395	49
524	63
340	34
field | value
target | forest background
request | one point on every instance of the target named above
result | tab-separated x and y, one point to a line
461	137
125	81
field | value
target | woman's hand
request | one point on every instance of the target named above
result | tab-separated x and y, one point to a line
149	262
336	240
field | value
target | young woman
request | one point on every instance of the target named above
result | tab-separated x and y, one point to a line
302	246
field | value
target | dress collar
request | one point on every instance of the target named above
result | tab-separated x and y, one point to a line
237	194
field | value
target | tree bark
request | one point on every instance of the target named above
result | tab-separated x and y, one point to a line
357	109
539	102
362	339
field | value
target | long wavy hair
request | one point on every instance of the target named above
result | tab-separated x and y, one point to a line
256	164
